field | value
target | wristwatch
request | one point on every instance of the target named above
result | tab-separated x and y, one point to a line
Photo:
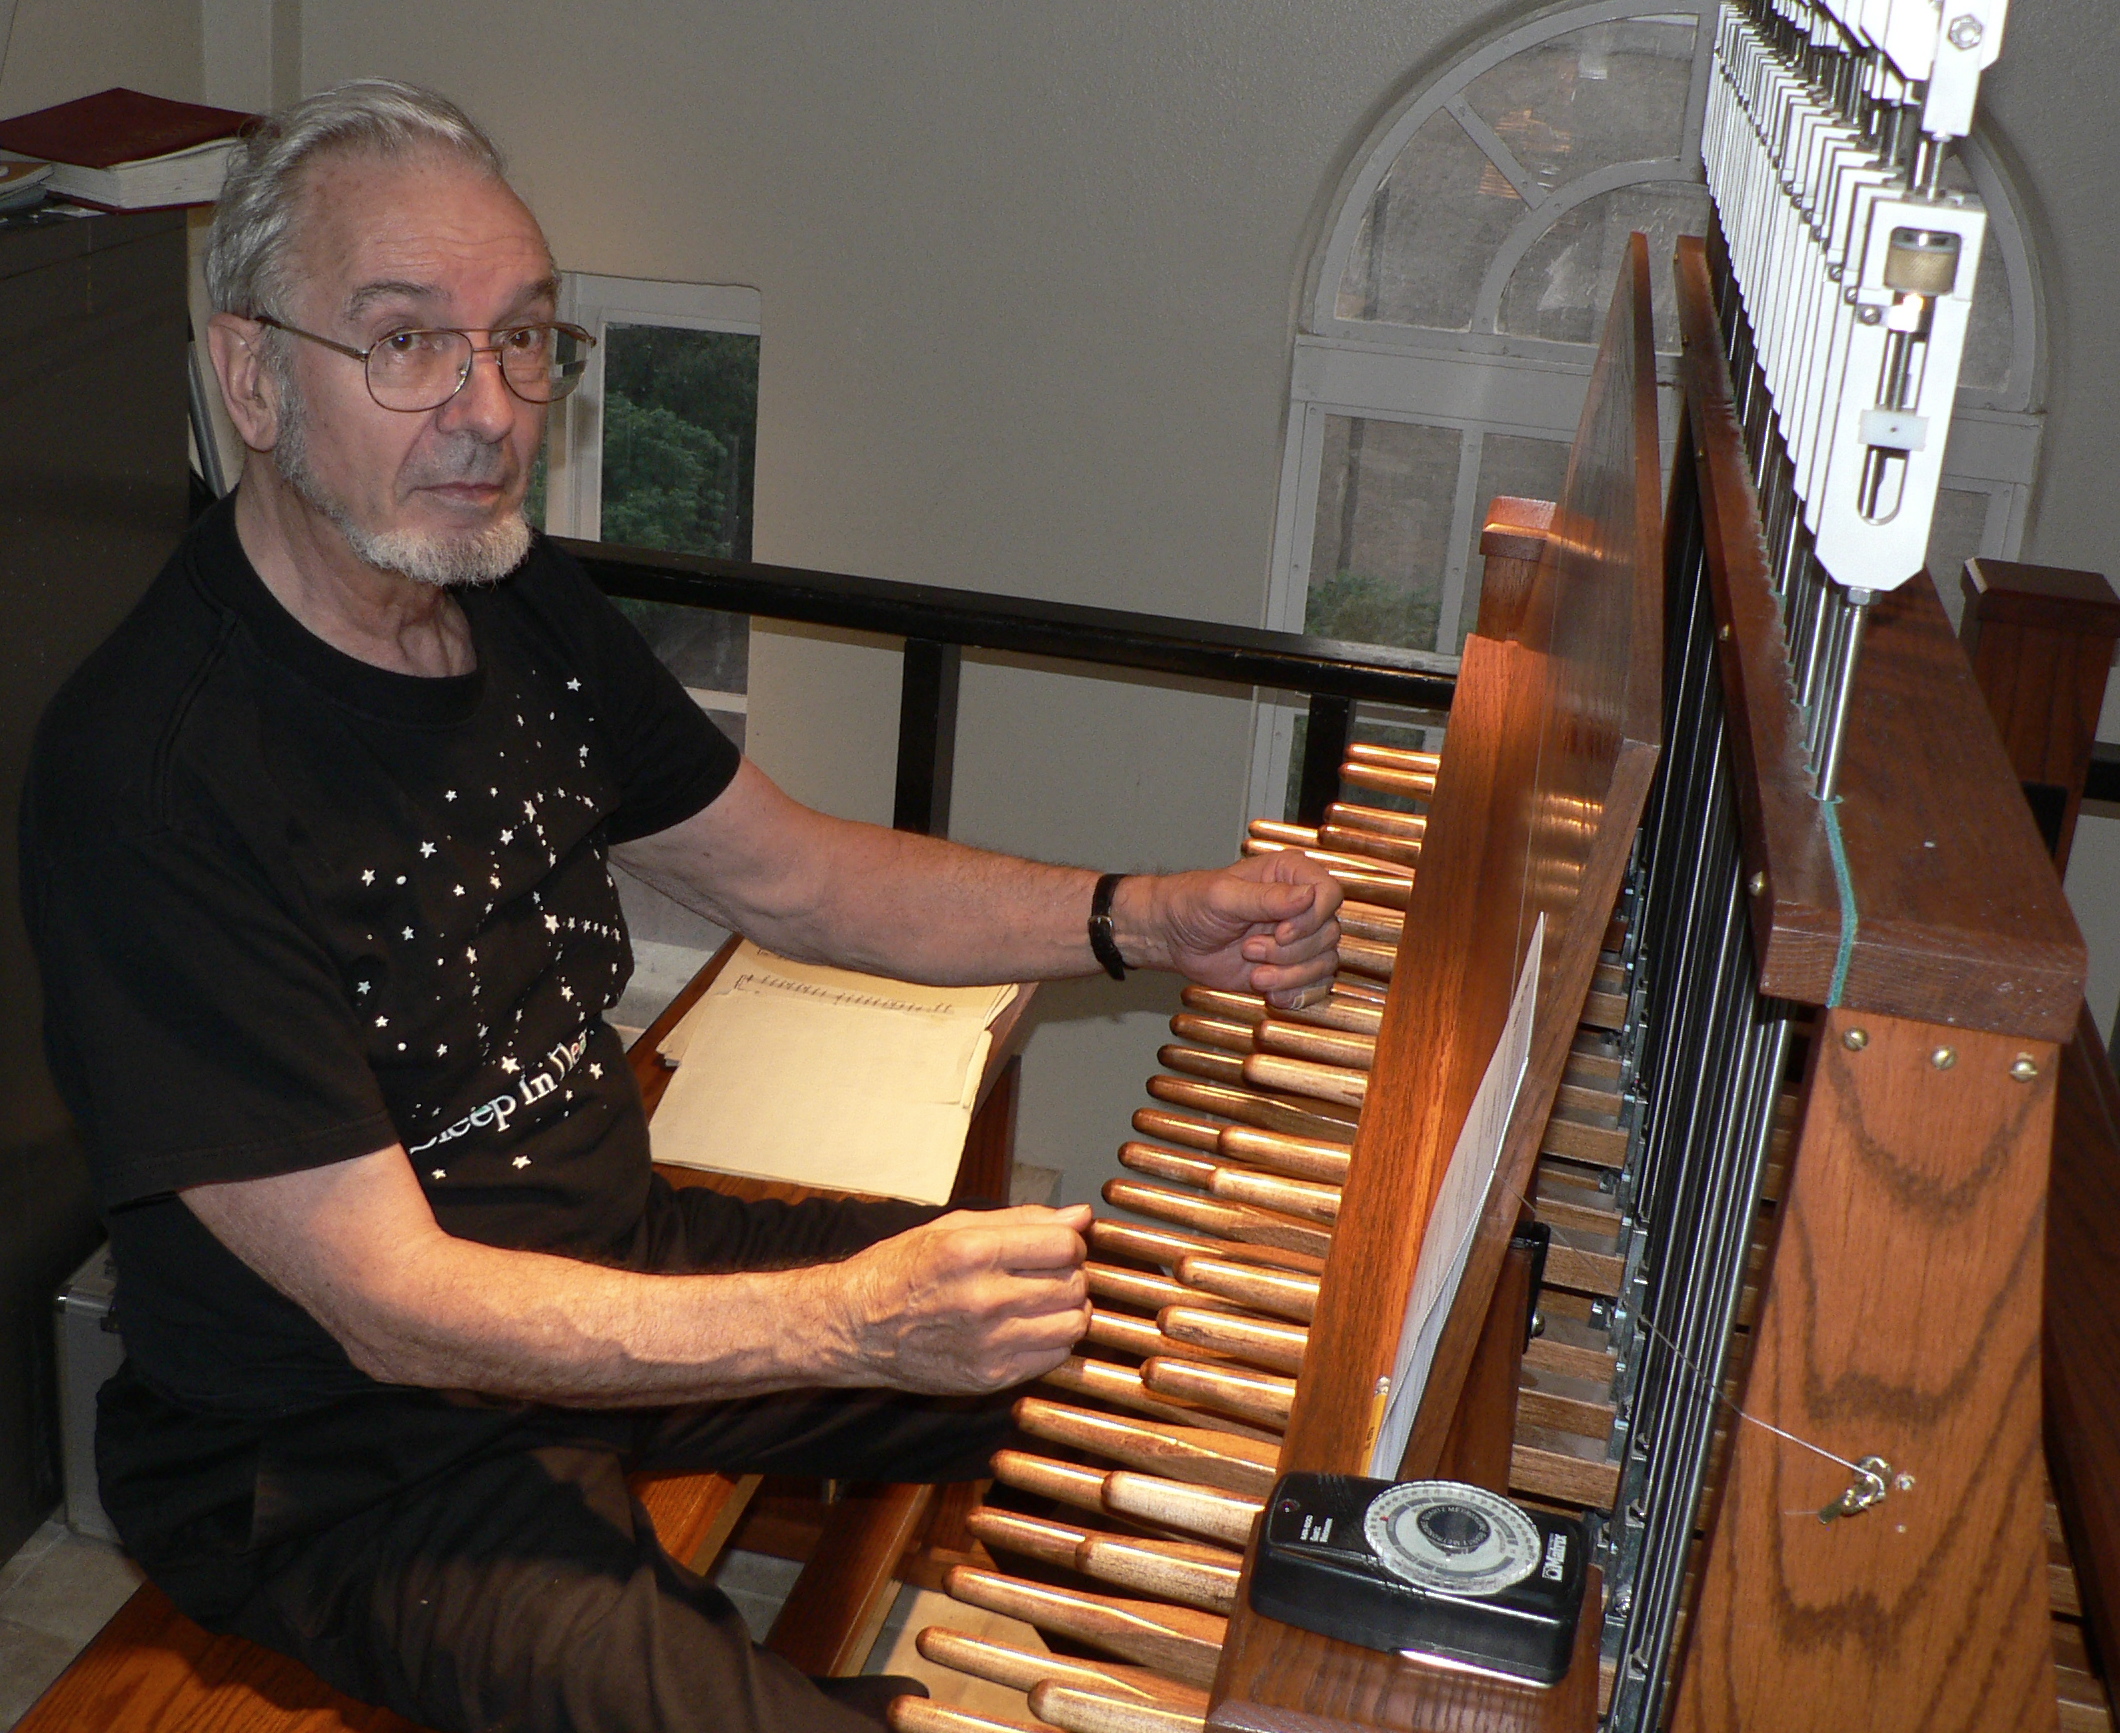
1101	942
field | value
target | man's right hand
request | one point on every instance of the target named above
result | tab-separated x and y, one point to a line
976	1300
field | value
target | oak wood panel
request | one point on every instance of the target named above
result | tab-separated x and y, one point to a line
1554	738
1931	816
1929	1612
1484	1427
832	1615
2041	643
2082	1324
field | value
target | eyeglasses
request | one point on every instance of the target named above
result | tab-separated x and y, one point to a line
412	371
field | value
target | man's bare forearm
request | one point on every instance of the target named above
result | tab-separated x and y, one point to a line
966	1303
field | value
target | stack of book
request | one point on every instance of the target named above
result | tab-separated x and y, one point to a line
120	150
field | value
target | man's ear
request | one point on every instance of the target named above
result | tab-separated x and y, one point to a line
237	346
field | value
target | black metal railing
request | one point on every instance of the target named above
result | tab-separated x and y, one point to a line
939	625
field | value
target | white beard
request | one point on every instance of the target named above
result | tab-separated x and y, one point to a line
440	558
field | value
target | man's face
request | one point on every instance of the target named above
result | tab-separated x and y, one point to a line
389	244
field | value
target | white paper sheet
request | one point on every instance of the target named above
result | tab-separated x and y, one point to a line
1447	1244
825	1077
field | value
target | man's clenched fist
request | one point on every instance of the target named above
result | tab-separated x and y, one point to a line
974	1301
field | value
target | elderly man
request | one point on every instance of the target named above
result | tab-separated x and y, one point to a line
315	862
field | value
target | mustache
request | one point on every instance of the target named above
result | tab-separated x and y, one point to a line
460	457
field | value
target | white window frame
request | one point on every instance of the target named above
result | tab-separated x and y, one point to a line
1482	381
574	444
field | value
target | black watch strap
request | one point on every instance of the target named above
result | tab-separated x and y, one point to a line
1101	943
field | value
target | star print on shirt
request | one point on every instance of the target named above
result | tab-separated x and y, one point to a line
408	932
551	924
459	890
382	1022
362	986
368	877
566	992
507	836
574	685
470	954
449	794
521	1161
510	1066
440	1174
596	1071
426	849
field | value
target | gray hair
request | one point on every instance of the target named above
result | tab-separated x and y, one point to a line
254	221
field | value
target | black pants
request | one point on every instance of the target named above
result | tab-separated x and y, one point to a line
517	1583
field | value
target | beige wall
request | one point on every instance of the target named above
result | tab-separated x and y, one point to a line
1028	275
61	49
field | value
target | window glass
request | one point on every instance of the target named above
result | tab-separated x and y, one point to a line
1608	93
680	439
1562	286
1431	227
1385	490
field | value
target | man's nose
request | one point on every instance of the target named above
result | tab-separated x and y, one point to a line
484	406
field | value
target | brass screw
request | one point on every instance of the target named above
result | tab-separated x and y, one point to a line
2023	1069
1855	1040
1757	884
1944	1058
1903	1482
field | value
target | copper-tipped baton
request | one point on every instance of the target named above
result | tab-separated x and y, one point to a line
1295	1197
1222	1516
1063	1482
1256	1341
1139	1289
1121	1386
1406	826
1196	1576
1311	1158
1249	1107
1125	1334
1254	1395
1181	1453
1206	1063
1226	1034
1294	1040
1281	1292
1074	1710
1230	1221
1170	1164
1025	1670
918	1715
1179	1128
1306	1077
1179	1641
1165	1246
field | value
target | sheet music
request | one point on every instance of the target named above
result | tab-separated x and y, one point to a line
1447	1244
826	1077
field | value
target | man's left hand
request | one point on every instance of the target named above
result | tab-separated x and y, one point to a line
1265	925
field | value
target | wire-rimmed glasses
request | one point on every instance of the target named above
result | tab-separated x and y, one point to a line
414	371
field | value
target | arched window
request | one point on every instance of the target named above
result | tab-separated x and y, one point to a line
1452	315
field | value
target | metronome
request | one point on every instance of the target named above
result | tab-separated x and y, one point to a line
1427	1567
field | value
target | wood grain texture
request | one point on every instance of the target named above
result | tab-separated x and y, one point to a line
1179	1452
1024	1670
1279	1293
1349	1687
1222	1516
1932	818
1928	1612
1079	1711
1263	1342
1483	1430
2082	1323
1121	1386
2041	643
832	1615
1554	737
1512	540
1180	1641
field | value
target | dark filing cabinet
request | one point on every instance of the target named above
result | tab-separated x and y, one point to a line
93	495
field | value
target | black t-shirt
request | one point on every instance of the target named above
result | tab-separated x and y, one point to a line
291	908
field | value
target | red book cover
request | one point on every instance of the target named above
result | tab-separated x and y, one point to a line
116	126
